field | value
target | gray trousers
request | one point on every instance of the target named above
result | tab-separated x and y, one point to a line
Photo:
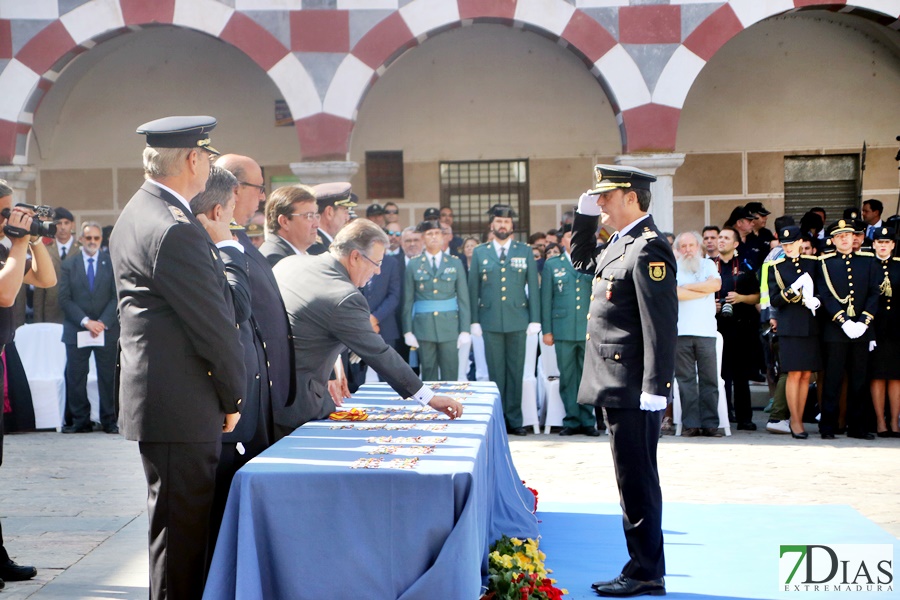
697	376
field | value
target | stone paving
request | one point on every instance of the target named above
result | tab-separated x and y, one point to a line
74	505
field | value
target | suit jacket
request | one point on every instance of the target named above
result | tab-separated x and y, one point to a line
887	325
383	294
564	300
327	314
497	292
794	319
322	244
633	326
181	364
448	283
78	301
845	281
275	249
46	300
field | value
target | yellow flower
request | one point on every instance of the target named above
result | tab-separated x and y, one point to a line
564	591
516	542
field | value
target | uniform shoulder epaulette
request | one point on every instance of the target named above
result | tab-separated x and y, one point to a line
178	214
827	256
895	258
808	257
776	261
861	253
647	234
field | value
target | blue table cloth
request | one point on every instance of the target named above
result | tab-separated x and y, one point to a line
301	523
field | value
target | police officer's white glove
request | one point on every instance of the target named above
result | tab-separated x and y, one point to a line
652	402
533	328
812	303
850	329
803	282
463	339
861	328
410	340
872	345
476	329
587	205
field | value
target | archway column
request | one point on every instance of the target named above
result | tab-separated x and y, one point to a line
19	179
312	173
663	165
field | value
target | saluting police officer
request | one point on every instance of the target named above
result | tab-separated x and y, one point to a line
435	314
847	285
502	311
564	310
630	356
884	356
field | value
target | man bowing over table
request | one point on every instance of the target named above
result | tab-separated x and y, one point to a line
328	312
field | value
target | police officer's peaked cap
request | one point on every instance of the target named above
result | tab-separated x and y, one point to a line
884	233
427	225
840	226
504	211
859	226
851	214
789	234
432	214
179	132
610	177
254	230
334	194
373	210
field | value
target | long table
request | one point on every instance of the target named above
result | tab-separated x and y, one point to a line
306	519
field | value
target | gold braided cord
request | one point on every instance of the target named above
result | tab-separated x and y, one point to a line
851	312
885	287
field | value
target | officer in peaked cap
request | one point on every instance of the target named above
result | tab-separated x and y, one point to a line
884	358
501	310
847	284
173	296
432	214
335	201
629	362
375	213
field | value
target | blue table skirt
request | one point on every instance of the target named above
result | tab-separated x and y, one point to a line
301	523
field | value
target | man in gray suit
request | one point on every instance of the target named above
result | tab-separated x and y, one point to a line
87	295
328	312
292	221
181	369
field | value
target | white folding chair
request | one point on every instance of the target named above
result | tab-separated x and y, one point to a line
553	409
44	359
529	385
463	374
481	370
722	406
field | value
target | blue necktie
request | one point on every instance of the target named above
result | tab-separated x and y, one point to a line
90	273
614	238
870	231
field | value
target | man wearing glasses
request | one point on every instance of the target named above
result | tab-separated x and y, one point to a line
292	218
335	201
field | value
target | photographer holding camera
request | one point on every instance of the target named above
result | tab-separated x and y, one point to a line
738	320
15	269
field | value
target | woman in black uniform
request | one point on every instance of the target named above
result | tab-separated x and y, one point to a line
14	271
884	361
791	294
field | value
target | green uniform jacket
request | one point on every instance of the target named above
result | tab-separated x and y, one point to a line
497	292
565	298
422	284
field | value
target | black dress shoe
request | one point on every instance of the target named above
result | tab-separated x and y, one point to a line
520	431
747	426
590	431
73	429
827	436
861	436
895	434
712	432
10	571
2	585
625	587
799	436
884	434
111	429
565	431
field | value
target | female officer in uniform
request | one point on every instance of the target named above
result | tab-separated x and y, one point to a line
791	284
885	349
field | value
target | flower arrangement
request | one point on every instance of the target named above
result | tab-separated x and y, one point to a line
517	572
535	492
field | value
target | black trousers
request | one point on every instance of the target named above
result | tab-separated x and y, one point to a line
850	358
77	368
180	487
633	437
740	353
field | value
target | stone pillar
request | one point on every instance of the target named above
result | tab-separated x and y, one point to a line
663	166
312	173
19	179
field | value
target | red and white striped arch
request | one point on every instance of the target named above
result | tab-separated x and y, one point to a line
648	120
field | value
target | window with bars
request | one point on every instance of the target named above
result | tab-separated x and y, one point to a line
470	188
827	181
384	174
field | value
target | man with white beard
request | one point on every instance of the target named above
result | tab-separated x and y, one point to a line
695	353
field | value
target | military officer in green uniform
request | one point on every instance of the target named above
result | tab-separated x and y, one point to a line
502	311
565	298
435	314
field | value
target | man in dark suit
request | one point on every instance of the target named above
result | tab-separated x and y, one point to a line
335	201
87	295
328	313
291	219
181	364
629	362
383	293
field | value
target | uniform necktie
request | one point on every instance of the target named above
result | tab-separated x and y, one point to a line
90	274
614	238
870	231
62	256
502	255
434	264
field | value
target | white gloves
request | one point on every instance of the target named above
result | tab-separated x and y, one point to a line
410	340
872	345
587	205
652	402
476	329
463	339
533	328
812	303
861	328
803	283
854	329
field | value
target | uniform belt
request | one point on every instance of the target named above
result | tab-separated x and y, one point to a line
425	306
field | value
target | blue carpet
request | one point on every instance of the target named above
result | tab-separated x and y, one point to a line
712	551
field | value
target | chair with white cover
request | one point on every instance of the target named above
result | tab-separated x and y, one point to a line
463	374
722	406
553	411
44	359
481	370
529	385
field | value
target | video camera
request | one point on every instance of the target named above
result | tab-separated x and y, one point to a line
42	223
